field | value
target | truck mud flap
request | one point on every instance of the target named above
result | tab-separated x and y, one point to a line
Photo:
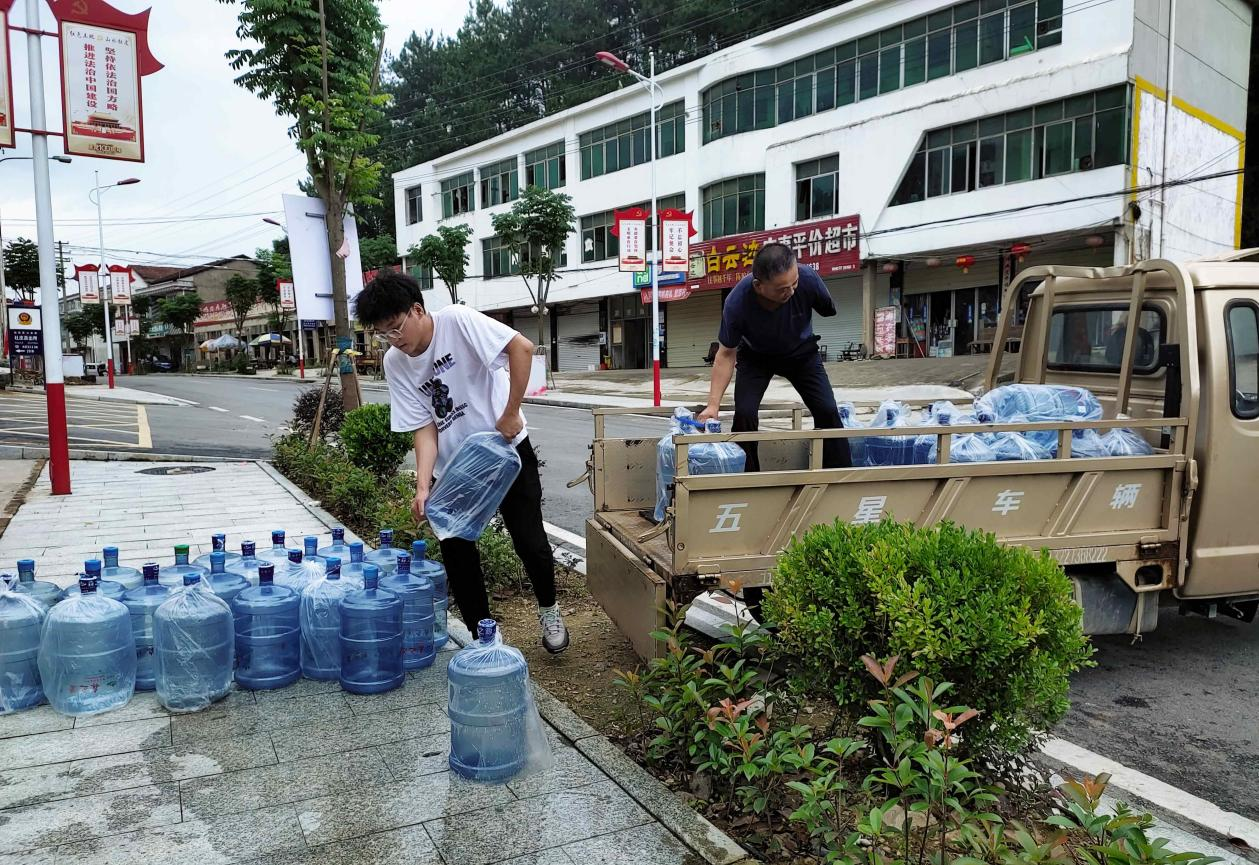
630	593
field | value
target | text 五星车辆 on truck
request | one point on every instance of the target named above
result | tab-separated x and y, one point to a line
1128	530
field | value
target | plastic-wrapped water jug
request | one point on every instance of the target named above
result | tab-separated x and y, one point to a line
371	638
92	568
475	482
1126	443
297	574
963	447
218	544
338	547
277	554
495	731
1041	402
856	446
268	634
352	568
886	450
416	592
250	563
21	617
1011	445
385	556
194	641
142	603
225	583
702	459
173	575
87	653
1085	444
130	578
310	552
321	623
421	564
45	592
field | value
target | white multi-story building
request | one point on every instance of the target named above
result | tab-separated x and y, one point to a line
970	139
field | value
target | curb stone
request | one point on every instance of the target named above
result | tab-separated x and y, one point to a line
71	394
21	452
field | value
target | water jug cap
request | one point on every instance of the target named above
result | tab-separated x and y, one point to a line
404	563
485	630
371	574
356	551
419	550
248	548
338	534
218	541
93	568
87	584
181	549
386	537
26	566
216	561
295	556
110	554
310	543
277	537
333	566
266	572
713	426
192	578
151	571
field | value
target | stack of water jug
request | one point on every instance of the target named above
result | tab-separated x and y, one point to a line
706	458
1013	403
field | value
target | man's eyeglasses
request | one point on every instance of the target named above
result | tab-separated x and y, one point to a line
386	337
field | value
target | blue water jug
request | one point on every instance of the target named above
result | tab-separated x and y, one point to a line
278	553
87	653
250	563
142	603
92	568
416	592
297	574
702	459
130	578
338	547
352	571
218	544
321	623
473	485
424	566
385	556
856	446
21	617
227	584
371	638
173	575
194	647
268	634
310	552
489	707
41	590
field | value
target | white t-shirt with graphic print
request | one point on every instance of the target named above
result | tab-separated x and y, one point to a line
460	383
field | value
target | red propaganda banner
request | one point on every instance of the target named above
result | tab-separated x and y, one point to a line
120	279
829	246
6	78
629	227
677	231
103	54
89	279
667	293
288	298
214	312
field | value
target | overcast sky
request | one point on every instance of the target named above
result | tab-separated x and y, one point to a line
212	149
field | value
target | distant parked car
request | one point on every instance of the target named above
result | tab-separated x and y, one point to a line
161	363
97	370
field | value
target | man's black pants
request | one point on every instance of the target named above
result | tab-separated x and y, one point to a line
521	511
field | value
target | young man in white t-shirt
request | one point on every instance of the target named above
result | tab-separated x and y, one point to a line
452	373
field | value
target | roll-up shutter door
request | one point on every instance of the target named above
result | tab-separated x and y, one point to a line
577	330
844	327
691	327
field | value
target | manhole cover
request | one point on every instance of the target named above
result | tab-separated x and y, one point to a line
176	470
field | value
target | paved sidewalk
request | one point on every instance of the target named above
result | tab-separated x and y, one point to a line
307	774
104	393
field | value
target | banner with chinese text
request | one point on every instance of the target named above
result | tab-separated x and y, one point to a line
100	80
885	331
120	284
288	297
675	227
88	277
830	246
630	230
6	81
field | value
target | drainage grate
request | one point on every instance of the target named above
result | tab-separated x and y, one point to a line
176	470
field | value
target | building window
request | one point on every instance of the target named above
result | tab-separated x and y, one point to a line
614	147
500	182
498	259
817	188
423	274
1243	358
671	129
545	167
947	42
529	253
597	242
458	195
1067	135
415	205
734	206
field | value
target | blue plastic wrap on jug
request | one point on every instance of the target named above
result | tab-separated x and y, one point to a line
297	574
277	554
45	592
890	450
249	562
173	575
702	459
225	582
321	623
338	547
87	653
1085	444
1126	443
1040	403
385	556
142	602
218	544
194	646
416	592
856	446
371	638
423	565
475	482
108	588
21	617
128	578
495	731
268	634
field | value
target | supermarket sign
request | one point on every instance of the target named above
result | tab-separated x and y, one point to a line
829	246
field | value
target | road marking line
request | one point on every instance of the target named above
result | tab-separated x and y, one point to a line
216	408
1156	792
143	437
565	536
252	418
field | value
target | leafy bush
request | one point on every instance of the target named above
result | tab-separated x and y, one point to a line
998	622
306	406
370	443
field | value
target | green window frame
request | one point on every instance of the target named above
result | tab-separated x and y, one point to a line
458	195
497	259
545	167
415	204
500	182
734	206
615	147
671	129
817	188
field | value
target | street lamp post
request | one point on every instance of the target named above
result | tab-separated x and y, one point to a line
105	300
4	291
656	92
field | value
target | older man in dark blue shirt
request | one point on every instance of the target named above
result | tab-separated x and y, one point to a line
767	330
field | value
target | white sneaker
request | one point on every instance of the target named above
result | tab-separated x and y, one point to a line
554	634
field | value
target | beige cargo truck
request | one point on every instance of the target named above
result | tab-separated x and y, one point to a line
1181	523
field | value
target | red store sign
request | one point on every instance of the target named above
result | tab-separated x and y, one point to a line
829	246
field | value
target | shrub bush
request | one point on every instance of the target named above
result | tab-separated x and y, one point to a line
371	444
998	622
307	404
